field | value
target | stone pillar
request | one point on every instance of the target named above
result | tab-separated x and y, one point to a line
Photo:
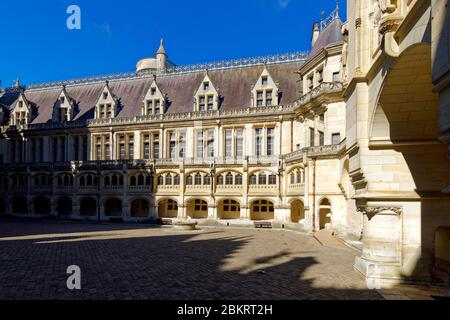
153	211
212	213
53	207
283	214
182	212
308	215
380	262
125	209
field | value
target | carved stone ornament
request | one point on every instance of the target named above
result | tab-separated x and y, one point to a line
371	211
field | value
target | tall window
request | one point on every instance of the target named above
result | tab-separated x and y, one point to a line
125	146
229	142
102	147
321	138
311	137
234	141
259	140
176	143
336	138
172	145
270	141
264	141
204	144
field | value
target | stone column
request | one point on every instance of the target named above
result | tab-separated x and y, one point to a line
380	262
308	215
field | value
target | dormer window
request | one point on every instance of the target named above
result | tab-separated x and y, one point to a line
63	108
207	97
106	107
21	113
154	101
265	91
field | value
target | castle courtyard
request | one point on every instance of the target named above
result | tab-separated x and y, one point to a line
159	263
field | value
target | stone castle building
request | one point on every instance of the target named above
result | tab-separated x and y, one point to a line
352	136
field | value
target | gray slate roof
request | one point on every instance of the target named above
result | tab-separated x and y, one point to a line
330	35
234	86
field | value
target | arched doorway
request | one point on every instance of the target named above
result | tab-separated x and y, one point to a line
64	206
229	209
139	208
262	210
113	208
168	208
325	214
197	209
88	207
19	205
41	206
297	211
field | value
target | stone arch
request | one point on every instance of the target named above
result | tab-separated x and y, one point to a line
297	211
405	121
64	206
197	208
262	209
167	208
140	207
88	206
228	209
19	205
324	213
113	207
41	205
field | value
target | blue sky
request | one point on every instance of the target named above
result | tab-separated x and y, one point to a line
37	46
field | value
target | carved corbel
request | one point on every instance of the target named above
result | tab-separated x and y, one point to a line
372	211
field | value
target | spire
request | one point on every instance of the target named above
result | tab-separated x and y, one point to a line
161	49
17	83
337	10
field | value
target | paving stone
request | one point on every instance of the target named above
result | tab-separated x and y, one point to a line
133	262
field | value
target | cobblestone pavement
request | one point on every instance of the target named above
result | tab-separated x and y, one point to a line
136	262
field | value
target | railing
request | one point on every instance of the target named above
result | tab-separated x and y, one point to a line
113	188
64	188
329	150
296	188
323	88
224	64
183	116
41	188
229	188
87	188
173	188
263	188
198	188
140	189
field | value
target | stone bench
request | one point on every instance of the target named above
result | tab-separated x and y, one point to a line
263	225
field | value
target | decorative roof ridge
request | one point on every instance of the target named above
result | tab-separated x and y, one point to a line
171	71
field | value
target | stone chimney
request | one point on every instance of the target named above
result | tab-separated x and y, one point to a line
315	33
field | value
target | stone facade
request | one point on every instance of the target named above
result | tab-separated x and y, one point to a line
353	137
